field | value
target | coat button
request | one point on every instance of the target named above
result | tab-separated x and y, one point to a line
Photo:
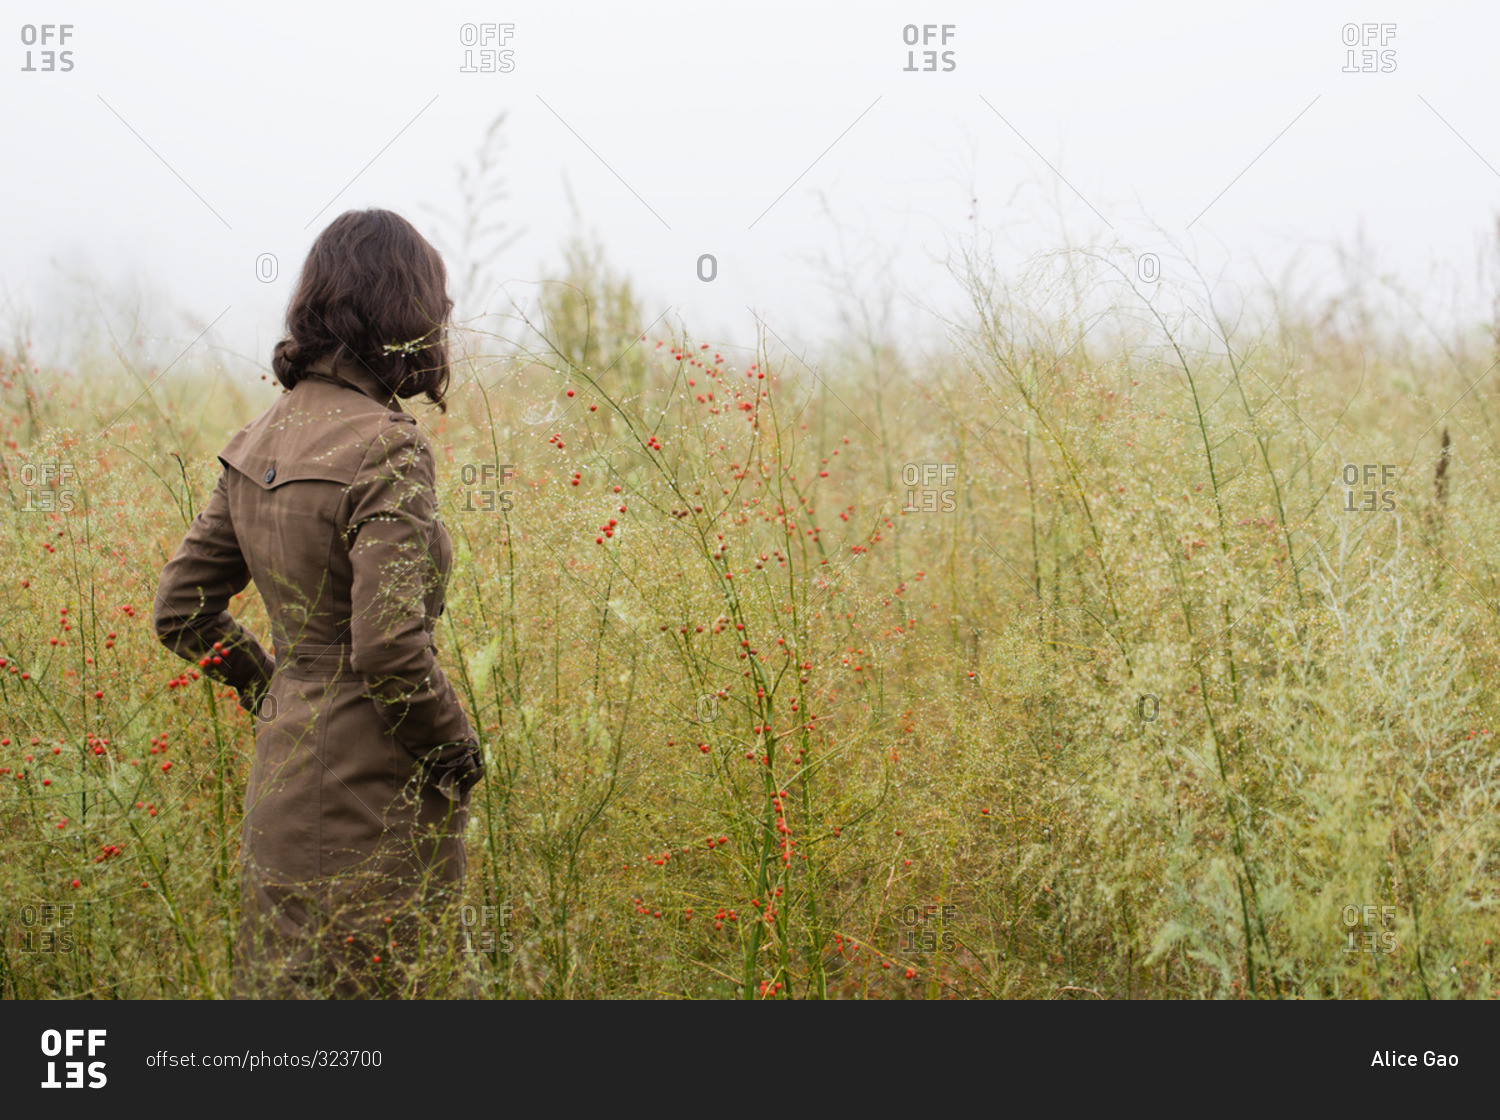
270	474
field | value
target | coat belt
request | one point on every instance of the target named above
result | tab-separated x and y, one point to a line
316	662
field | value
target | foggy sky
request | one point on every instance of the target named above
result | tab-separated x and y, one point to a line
786	140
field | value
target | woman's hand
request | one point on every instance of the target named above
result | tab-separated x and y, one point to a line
251	694
454	769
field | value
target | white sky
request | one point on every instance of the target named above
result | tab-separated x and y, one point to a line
707	113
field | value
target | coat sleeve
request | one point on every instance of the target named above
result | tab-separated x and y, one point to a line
191	609
391	533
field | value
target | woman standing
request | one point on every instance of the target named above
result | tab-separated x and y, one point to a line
352	841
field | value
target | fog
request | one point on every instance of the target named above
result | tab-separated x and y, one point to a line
781	159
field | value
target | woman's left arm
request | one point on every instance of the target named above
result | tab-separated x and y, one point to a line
192	599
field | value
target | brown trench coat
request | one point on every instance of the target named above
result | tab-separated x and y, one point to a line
351	845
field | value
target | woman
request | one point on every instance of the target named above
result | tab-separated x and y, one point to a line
352	841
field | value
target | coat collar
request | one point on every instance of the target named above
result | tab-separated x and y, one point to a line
354	374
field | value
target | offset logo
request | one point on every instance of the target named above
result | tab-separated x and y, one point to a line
490	39
928	33
1370	499
1360	53
66	1044
47	36
481	494
934	482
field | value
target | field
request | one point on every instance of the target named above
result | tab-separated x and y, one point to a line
1094	650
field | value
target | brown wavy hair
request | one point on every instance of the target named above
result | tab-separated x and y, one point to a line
371	282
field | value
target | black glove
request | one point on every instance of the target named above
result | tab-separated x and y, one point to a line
454	769
251	695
